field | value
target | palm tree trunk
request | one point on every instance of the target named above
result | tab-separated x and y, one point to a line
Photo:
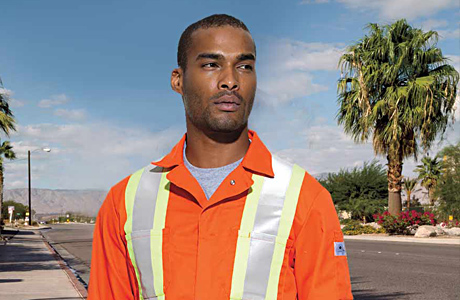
408	199
431	195
394	180
1	194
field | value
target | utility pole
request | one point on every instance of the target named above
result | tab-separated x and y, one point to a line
30	194
30	184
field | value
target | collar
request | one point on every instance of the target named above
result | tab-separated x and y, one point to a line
257	159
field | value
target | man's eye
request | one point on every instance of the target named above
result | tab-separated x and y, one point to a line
211	65
246	67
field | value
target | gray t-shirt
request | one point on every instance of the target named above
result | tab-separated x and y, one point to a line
210	178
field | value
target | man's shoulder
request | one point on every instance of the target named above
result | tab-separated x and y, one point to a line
311	190
310	185
116	195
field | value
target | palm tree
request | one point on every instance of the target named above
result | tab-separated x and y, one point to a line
7	124
6	151
409	186
398	88
7	121
430	171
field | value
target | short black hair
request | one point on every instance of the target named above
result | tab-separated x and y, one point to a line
216	20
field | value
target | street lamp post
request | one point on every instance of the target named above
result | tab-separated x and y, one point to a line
30	181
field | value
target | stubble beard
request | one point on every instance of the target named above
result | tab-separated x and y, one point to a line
207	122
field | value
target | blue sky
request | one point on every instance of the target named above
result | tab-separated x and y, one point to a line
91	80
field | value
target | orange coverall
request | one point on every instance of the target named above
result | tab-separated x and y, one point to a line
201	235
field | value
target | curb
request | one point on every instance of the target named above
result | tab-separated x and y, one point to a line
78	267
403	239
79	287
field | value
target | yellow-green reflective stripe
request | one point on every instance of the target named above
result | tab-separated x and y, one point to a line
243	243
156	242
287	217
130	194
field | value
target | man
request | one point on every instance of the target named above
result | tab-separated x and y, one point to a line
219	217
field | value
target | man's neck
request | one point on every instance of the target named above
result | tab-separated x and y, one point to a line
213	150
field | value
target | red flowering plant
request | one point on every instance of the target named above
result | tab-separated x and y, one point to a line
450	224
404	222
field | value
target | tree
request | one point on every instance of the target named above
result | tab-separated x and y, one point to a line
7	124
7	121
409	186
6	151
430	173
19	208
398	89
449	186
362	191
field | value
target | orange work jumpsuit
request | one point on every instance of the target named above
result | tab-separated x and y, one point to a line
201	236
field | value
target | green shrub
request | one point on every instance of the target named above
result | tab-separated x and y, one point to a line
361	191
349	221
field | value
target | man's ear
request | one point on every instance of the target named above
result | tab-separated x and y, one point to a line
177	77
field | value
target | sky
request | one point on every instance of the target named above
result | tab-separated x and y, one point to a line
91	81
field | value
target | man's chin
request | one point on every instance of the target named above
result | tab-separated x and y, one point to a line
228	126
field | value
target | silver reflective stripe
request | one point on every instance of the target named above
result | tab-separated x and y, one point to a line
142	227
264	235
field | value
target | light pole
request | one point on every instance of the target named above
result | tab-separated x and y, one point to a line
30	181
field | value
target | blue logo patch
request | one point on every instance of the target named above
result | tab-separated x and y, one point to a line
339	249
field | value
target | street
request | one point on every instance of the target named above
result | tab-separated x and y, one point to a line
379	270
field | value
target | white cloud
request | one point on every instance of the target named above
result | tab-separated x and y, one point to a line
289	86
457	108
71	114
454	60
328	149
293	62
449	34
314	1
396	9
15	103
53	101
6	92
292	55
433	24
89	155
16	184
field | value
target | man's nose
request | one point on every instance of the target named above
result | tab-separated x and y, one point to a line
229	80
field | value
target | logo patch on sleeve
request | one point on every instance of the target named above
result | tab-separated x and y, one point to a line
339	249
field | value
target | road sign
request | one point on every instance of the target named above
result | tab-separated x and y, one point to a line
10	211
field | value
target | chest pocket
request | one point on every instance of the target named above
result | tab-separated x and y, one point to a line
263	238
146	201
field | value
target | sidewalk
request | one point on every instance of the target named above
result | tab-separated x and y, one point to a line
405	239
29	269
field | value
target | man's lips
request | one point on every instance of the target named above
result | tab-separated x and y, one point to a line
228	103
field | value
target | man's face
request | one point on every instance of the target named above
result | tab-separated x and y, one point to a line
219	84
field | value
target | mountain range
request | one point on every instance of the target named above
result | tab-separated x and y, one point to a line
45	201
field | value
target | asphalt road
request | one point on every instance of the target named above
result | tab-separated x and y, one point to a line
73	242
379	270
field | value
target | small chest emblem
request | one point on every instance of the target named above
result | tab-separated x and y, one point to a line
339	249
